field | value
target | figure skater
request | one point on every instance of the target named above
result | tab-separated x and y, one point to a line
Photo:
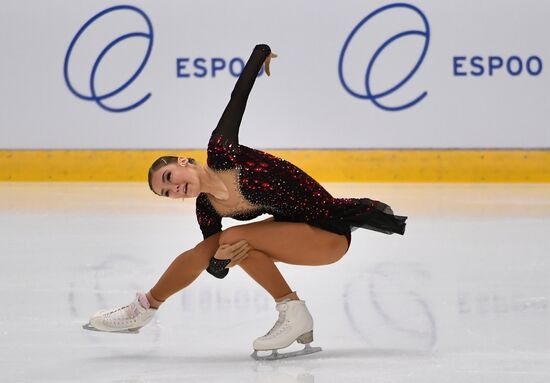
307	226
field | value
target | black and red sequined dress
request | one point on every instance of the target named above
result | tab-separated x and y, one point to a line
275	186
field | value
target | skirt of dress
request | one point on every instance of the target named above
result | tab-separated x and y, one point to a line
362	213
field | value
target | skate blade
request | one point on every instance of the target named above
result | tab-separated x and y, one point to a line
89	327
275	355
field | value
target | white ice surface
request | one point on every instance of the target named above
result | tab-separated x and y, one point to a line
464	296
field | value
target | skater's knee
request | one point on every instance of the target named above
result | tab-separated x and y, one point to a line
200	256
231	235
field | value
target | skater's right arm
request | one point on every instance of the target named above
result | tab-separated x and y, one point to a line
230	121
210	222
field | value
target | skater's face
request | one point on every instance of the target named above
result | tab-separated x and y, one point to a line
176	180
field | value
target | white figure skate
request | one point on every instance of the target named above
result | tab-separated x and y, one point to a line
294	324
127	319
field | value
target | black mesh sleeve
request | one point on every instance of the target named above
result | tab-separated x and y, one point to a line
209	220
210	223
230	121
216	267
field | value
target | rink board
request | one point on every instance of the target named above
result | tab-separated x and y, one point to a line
323	165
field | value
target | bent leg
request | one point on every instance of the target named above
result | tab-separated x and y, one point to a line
294	243
290	242
188	266
185	269
263	270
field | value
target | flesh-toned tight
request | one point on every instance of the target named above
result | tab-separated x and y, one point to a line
270	241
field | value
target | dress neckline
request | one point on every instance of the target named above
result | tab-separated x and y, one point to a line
237	188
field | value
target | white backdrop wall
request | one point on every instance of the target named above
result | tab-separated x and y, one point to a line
485	73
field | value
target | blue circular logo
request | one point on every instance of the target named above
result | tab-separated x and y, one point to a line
92	94
376	97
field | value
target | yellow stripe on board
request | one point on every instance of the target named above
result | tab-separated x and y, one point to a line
323	165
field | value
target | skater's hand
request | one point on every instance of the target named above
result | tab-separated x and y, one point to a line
267	61
235	252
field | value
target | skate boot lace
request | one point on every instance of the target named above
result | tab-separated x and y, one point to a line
279	324
125	314
131	310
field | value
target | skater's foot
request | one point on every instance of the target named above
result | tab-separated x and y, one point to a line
294	324
126	318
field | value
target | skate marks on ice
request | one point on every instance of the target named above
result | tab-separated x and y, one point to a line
387	307
511	312
232	299
92	292
238	301
497	302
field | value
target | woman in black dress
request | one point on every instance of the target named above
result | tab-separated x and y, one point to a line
308	226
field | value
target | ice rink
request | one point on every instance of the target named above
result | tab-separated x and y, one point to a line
464	296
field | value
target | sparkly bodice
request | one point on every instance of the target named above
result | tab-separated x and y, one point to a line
236	204
262	183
